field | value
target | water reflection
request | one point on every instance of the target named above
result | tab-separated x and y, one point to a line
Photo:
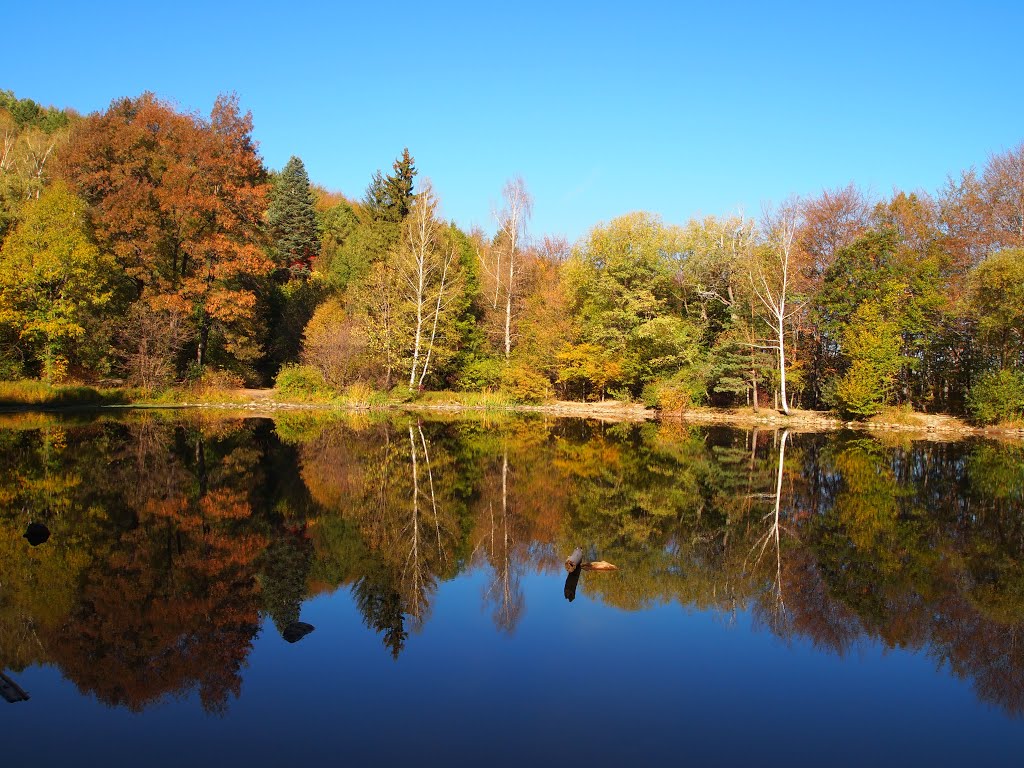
172	542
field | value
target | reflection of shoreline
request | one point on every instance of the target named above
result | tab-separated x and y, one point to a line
225	522
915	425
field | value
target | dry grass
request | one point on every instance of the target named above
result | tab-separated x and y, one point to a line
30	393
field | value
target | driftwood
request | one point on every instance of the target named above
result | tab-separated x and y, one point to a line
572	562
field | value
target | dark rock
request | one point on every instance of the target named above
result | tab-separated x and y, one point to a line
296	631
10	691
37	534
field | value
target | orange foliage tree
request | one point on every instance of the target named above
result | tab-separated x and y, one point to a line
179	200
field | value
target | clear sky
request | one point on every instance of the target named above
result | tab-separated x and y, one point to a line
603	108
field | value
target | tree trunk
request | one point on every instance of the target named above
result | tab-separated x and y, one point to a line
782	364
572	562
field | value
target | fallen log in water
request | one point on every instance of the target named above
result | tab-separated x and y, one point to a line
599	565
572	562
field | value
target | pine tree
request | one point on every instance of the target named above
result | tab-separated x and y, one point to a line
399	187
291	218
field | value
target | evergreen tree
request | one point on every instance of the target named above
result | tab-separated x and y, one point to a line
399	186
389	198
291	218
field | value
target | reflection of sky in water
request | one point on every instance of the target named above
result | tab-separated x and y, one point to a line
585	681
581	681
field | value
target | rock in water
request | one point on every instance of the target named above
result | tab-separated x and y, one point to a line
296	631
10	691
37	534
599	565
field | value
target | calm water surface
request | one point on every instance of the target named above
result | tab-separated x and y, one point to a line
781	598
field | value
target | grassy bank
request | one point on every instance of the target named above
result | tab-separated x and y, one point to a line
38	394
35	395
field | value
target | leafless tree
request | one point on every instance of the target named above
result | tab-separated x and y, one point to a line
504	267
1003	188
770	277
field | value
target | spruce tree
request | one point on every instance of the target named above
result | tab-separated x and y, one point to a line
387	202
291	218
399	185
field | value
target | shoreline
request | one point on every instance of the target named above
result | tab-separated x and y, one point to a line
264	403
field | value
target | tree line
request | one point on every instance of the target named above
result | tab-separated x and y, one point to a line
151	246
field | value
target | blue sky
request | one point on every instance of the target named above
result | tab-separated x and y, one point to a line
603	108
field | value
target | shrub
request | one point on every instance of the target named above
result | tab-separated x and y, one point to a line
859	393
525	385
149	341
333	344
481	373
676	394
218	378
997	396
362	394
302	382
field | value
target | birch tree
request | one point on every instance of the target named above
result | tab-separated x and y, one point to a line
771	276
504	265
428	266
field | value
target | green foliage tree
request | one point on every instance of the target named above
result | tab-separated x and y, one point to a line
398	188
53	278
30	135
997	396
341	260
996	301
292	221
621	283
872	344
878	268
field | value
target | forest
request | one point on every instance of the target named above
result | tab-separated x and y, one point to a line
150	247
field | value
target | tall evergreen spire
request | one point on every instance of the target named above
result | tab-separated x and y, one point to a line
291	218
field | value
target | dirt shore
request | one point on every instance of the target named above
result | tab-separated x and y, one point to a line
916	425
895	421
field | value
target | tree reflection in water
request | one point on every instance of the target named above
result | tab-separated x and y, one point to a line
173	542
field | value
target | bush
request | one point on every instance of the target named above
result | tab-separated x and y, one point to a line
219	379
480	374
400	393
302	382
362	394
860	393
676	394
334	344
997	396
149	342
525	385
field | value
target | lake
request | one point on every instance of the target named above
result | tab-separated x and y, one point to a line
391	589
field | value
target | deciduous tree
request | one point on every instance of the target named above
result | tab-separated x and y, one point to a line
52	277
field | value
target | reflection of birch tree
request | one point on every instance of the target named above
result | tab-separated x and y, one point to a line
505	590
772	536
423	558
